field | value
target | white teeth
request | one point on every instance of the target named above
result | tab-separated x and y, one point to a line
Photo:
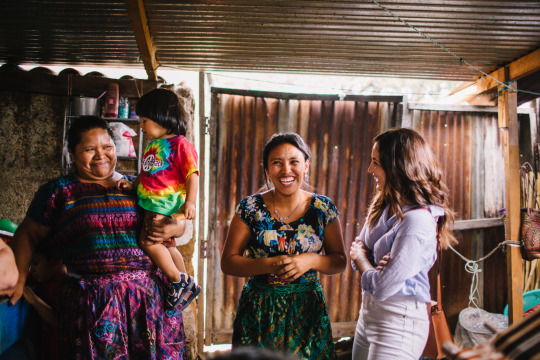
286	180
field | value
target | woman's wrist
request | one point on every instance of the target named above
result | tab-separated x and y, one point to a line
269	265
362	263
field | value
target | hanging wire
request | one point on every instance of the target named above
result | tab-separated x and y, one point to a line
471	266
461	60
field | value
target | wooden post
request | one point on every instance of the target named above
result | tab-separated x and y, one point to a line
508	123
201	303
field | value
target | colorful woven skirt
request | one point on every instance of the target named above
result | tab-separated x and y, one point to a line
292	319
119	316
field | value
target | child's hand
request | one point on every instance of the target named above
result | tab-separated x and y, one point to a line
188	209
179	215
124	184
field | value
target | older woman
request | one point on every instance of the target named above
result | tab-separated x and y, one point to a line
112	302
288	235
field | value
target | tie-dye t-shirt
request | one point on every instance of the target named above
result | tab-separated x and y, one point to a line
166	164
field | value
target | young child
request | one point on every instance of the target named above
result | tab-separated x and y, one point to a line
167	185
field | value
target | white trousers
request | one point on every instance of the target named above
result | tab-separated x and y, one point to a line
396	328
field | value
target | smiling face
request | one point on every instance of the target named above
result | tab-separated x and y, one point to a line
286	168
376	169
95	156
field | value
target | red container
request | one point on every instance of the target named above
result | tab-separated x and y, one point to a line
111	101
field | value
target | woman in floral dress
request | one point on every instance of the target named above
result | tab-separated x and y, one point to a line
281	238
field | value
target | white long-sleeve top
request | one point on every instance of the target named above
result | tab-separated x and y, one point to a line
412	244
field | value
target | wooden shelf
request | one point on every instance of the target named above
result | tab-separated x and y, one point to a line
108	119
125	121
124	158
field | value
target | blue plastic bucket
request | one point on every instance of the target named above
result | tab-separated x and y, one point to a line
530	300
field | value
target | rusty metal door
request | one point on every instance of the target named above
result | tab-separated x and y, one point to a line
339	132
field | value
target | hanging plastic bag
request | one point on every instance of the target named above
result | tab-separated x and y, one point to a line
123	135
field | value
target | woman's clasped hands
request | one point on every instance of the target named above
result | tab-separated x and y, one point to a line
291	267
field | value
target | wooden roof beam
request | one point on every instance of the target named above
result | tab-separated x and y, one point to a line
139	22
522	67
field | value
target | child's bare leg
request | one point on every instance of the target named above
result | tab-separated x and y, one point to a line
183	290
161	255
177	259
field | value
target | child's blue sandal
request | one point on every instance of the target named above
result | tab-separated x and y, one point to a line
177	291
195	290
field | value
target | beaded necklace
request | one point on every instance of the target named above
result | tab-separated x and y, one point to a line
286	217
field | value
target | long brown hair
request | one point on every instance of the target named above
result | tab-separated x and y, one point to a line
413	176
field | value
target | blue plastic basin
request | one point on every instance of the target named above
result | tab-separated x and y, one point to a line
530	300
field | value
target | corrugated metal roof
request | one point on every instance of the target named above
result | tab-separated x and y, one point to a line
67	32
309	36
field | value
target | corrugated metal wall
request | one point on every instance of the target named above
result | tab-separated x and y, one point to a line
340	135
307	36
470	149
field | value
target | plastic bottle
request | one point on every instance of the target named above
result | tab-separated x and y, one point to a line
111	101
132	112
123	108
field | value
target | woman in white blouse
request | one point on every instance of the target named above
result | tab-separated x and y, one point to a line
398	245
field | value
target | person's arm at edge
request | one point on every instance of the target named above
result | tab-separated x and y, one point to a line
25	240
8	268
233	261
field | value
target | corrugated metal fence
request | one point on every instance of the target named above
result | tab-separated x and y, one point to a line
469	147
339	133
467	141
